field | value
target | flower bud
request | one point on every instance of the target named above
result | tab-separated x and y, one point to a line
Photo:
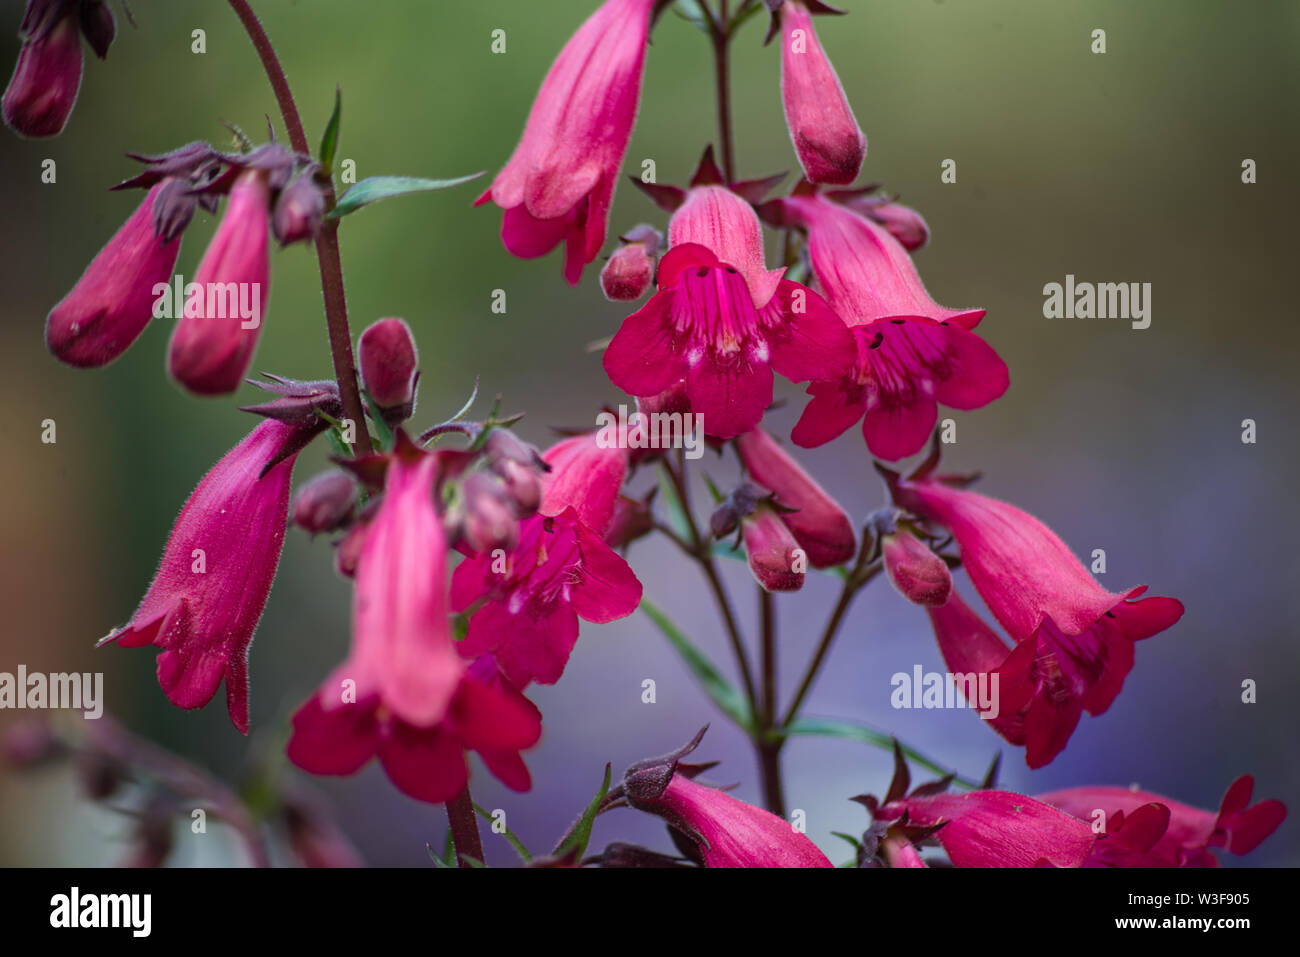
631	269
300	210
919	574
98	26
903	223
520	467
388	367
632	520
29	743
489	520
43	89
325	503
775	557
827	138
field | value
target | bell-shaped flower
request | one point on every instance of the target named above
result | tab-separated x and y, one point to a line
723	322
216	573
558	185
912	354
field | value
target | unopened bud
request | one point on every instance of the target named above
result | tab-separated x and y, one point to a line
299	211
489	520
919	574
388	367
325	503
631	269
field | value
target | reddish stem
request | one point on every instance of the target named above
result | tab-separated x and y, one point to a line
327	243
464	828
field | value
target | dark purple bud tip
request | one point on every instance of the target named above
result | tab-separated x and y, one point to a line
98	26
299	211
646	781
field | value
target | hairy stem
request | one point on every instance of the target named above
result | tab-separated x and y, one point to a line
464	828
327	243
720	31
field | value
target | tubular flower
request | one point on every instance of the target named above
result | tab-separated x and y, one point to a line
911	353
47	78
773	553
722	831
558	185
827	139
561	570
723	322
993	829
112	302
216	573
213	342
1073	639
821	527
404	694
920	576
1148	830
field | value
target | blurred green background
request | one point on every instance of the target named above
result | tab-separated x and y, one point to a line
1116	167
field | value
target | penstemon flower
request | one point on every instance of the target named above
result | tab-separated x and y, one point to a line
47	77
559	184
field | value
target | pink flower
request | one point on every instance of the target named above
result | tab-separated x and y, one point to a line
920	576
113	301
1147	830
404	693
561	570
912	354
724	831
389	366
821	527
213	342
904	223
826	137
723	322
47	78
558	185
994	828
216	572
1073	638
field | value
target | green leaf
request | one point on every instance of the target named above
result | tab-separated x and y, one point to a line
847	837
724	695
832	728
692	11
330	141
579	835
374	188
383	438
508	834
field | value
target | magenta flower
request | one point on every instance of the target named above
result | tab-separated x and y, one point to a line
1148	830
1073	638
404	694
113	300
47	78
724	831
911	353
723	322
216	572
827	139
558	185
212	345
773	553
819	524
993	828
561	570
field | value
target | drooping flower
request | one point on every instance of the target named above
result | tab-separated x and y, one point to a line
216	572
1142	829
827	139
993	828
404	694
47	78
558	185
723	322
723	831
213	342
911	353
818	522
113	301
1073	639
530	599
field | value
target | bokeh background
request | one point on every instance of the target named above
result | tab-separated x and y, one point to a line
1116	167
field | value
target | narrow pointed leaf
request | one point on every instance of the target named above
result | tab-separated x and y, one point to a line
719	689
375	188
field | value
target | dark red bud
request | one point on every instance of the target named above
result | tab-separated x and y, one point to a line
388	362
299	211
325	503
98	26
